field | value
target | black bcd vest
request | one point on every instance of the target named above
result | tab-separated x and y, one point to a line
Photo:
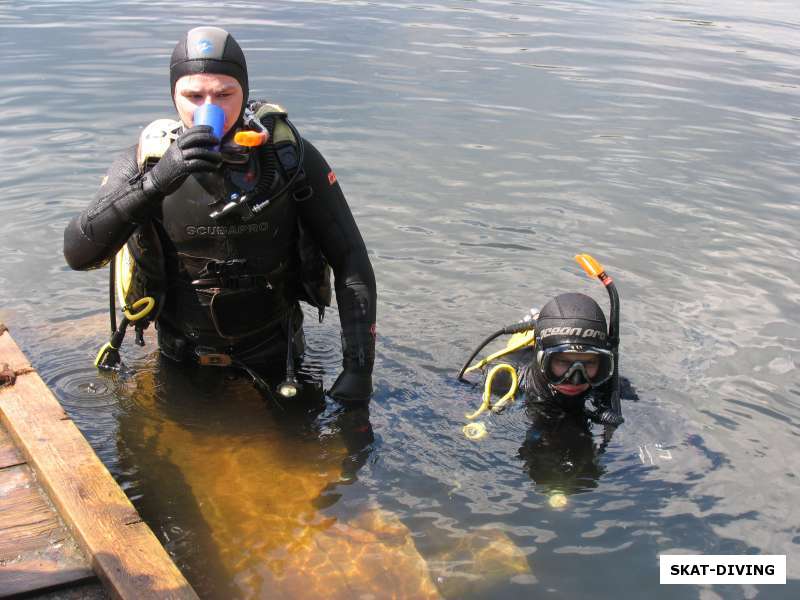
226	279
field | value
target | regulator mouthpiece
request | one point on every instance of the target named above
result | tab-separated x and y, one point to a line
250	139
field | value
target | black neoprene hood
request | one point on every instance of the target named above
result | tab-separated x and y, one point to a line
208	50
572	318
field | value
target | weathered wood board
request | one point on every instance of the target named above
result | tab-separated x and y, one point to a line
122	550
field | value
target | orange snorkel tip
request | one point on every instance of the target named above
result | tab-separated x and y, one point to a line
593	268
250	139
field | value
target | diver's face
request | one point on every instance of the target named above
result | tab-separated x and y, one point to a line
560	364
223	90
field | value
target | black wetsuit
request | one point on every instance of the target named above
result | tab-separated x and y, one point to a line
250	268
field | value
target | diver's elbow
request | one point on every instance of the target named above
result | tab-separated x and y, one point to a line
80	252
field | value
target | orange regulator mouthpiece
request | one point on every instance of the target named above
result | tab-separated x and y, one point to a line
250	139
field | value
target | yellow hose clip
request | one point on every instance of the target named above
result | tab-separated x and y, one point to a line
486	404
148	302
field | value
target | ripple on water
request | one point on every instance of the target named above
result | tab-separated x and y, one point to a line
79	387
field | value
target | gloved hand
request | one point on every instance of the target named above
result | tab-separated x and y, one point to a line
354	384
352	387
191	153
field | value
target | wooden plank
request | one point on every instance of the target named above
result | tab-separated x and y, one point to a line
26	520
39	575
36	550
87	591
124	552
9	455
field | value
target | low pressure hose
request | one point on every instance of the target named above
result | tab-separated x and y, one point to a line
507	330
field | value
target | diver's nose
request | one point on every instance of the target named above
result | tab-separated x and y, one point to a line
577	377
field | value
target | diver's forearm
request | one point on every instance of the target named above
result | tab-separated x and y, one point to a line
124	200
95	235
329	219
356	301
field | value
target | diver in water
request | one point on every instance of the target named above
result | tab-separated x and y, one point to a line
215	231
571	363
569	383
564	357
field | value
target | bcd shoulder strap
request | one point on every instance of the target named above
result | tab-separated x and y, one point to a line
316	286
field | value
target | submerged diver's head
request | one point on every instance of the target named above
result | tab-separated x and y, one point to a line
572	350
208	65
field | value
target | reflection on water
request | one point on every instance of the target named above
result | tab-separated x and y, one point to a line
256	475
480	144
560	452
254	482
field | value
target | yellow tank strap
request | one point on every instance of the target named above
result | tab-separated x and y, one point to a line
518	341
486	403
155	139
123	274
271	108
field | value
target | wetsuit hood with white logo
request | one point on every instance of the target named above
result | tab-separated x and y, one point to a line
208	50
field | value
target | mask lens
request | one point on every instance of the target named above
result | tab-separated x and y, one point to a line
576	367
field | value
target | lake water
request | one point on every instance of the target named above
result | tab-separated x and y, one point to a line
480	145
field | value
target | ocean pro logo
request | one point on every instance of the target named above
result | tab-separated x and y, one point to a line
574	332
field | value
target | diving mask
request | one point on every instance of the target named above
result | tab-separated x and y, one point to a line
559	365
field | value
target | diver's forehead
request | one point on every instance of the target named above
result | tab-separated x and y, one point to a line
206	82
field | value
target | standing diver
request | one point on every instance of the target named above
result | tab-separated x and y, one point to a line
564	357
218	234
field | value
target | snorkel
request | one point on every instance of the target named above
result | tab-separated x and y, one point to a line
612	416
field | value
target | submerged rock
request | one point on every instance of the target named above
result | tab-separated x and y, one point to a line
477	562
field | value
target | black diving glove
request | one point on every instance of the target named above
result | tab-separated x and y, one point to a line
354	384
192	152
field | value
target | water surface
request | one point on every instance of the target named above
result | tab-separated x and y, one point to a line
480	145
